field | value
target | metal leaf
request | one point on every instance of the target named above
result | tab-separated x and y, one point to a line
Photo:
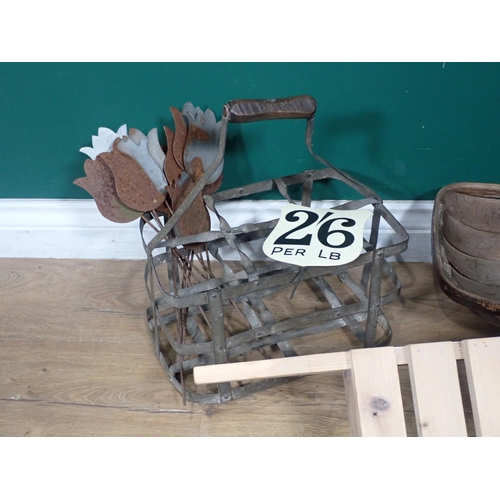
133	185
196	218
172	170
181	130
100	184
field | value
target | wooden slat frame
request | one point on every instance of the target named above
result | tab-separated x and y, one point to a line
369	376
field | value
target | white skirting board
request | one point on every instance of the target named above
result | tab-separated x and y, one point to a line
74	229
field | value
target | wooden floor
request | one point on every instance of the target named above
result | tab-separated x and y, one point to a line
76	359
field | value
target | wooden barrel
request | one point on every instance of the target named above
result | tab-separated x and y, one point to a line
466	246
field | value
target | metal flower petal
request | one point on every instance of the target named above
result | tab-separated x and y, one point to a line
140	152
103	141
202	143
133	185
100	184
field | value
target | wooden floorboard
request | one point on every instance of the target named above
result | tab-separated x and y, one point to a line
76	358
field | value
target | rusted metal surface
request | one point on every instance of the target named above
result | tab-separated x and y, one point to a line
141	152
181	131
196	219
466	242
251	110
100	183
133	185
173	170
225	305
120	185
202	142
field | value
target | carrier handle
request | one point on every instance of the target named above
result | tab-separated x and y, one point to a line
252	110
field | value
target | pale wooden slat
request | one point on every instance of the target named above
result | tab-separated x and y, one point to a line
352	405
270	368
482	363
436	390
288	367
281	367
374	393
403	353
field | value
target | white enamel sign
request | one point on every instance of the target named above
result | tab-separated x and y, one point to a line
317	237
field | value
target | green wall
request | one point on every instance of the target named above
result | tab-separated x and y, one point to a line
404	129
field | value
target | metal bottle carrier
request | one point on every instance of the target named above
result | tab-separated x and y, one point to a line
206	309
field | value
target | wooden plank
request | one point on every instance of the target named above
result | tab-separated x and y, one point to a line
374	394
484	292
105	374
352	405
474	204
76	358
484	271
111	389
436	390
57	299
289	367
280	367
482	363
470	240
71	419
309	406
270	368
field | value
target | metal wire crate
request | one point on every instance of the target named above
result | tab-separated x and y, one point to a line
207	308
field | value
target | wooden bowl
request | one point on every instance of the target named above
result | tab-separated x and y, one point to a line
466	246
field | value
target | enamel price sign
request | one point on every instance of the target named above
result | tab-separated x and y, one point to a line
317	237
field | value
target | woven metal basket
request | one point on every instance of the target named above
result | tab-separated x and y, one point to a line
227	311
